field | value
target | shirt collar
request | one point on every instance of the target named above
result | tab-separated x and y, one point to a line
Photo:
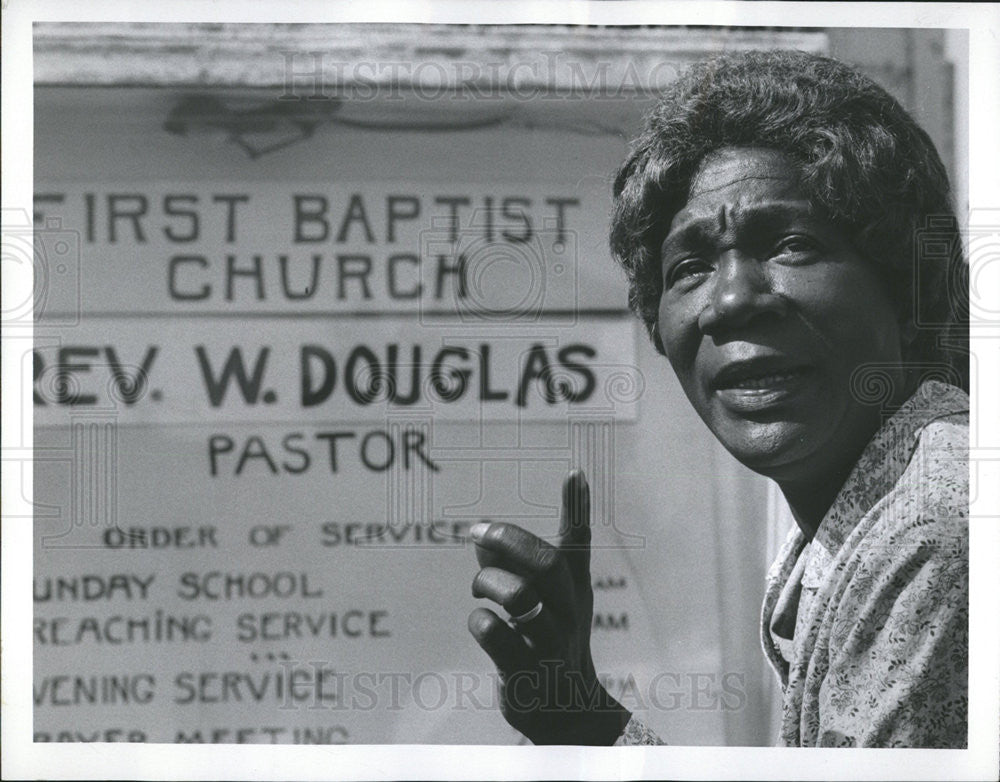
880	466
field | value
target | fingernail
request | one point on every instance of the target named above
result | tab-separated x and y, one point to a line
478	531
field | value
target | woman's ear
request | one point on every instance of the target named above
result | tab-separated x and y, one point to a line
654	333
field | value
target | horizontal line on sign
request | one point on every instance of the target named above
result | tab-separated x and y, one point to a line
593	312
584	417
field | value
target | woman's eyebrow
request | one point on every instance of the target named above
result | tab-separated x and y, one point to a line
693	234
771	214
764	218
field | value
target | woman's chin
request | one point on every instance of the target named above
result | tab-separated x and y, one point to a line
772	449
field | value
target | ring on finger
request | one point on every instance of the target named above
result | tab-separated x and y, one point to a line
527	616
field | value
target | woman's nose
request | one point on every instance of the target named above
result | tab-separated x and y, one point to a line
741	292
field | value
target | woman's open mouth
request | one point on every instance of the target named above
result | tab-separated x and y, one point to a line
754	385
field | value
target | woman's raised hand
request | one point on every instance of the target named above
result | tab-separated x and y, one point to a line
549	689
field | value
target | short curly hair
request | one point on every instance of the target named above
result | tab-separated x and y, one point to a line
863	161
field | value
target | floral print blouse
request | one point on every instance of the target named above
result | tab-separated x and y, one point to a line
866	625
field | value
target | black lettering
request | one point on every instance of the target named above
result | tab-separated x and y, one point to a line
203	293
191	215
452	202
234	367
254	272
459	378
331	438
134	215
413	440
310	289
399	207
311	392
488	216
391	360
487	394
363	396
310	209
218	444
189	588
374	618
130	388
394	291
330	534
230	201
362	268
566	390
355	213
38	369
445	269
390	452
185	682
255	449
355	631
247	628
90	203
518	214
610	622
66	393
288	443
536	367
560	204
38	216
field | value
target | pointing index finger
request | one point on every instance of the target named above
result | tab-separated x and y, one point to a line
574	526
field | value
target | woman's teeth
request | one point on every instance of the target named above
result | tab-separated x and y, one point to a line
766	381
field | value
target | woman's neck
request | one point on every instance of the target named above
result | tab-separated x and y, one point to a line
809	501
811	498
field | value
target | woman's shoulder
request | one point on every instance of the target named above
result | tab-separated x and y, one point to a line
910	556
928	508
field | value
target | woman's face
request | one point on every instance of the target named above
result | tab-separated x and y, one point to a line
765	315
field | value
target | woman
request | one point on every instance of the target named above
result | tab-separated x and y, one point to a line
770	220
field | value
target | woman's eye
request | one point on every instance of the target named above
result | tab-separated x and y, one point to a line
795	245
690	267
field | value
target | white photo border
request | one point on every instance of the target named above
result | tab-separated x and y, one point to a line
23	759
